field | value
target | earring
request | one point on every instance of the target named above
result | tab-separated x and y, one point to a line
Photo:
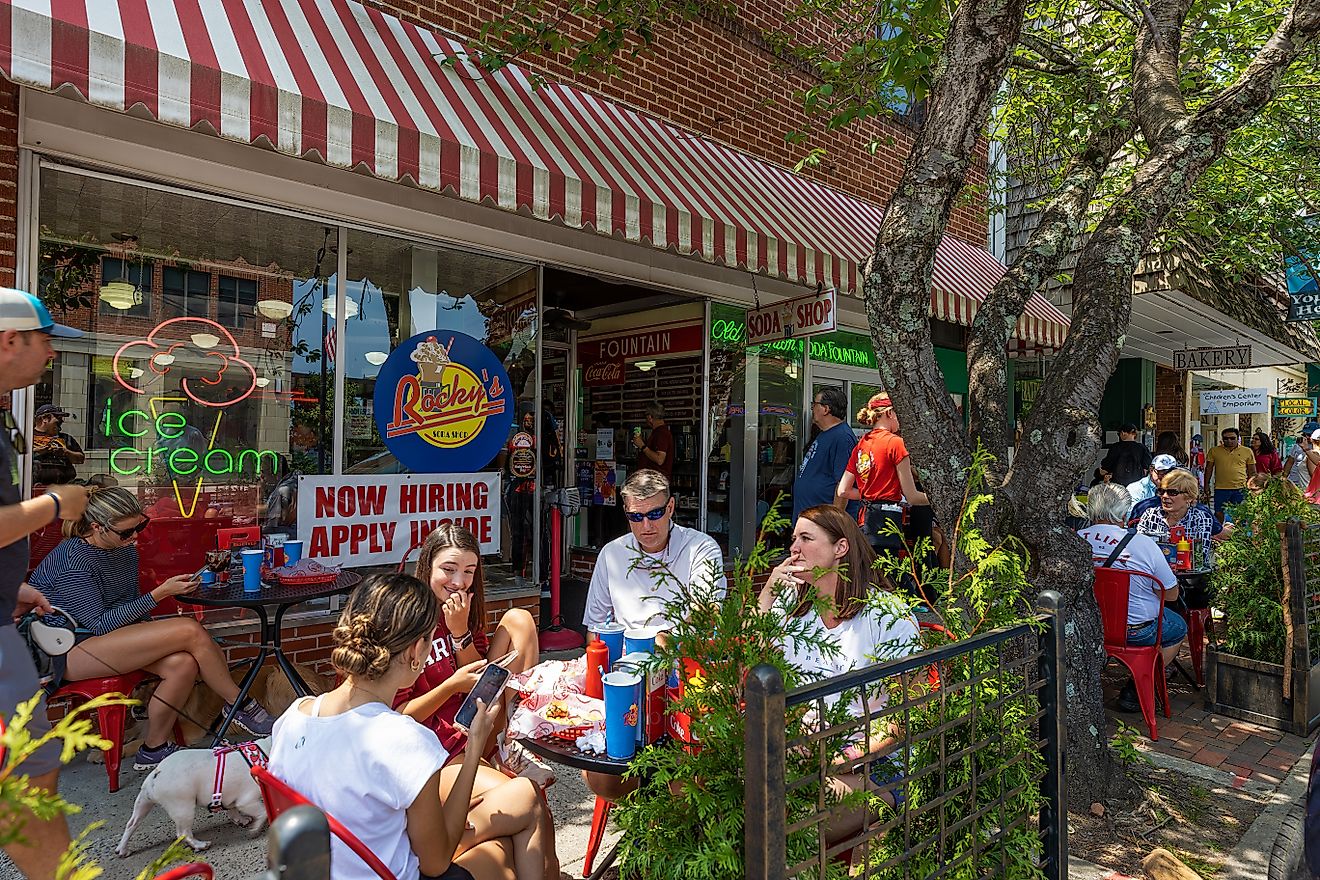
416	665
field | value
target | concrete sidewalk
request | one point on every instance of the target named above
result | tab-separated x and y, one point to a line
234	853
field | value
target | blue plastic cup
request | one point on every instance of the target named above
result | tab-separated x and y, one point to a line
292	552
208	577
609	633
640	639
622	714
252	560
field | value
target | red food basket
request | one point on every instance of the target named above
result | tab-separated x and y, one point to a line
305	580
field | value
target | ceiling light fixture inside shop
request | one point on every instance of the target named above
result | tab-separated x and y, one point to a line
121	294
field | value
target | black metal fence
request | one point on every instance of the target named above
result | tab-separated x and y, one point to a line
958	750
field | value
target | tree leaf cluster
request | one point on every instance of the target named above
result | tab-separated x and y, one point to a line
1248	576
19	798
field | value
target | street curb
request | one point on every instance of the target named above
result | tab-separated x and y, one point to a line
1250	859
1212	775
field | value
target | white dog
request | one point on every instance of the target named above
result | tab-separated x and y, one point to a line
186	780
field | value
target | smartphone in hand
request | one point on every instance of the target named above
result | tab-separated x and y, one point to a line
488	690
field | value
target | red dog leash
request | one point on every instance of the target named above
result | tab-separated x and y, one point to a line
251	753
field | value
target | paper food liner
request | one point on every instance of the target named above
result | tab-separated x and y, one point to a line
530	718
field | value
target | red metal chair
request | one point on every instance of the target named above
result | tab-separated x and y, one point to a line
280	796
1199	625
192	869
1112	589
110	720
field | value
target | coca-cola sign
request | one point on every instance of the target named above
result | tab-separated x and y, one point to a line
603	373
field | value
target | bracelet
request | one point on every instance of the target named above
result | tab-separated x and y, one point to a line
463	641
53	497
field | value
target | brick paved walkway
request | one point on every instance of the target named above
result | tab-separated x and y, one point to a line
1246	750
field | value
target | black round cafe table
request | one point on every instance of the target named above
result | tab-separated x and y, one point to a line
271	597
565	752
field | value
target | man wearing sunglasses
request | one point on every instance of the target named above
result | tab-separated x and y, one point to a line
26	329
638	573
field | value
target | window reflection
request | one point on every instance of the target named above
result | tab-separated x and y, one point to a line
197	385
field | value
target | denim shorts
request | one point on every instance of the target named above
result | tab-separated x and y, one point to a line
18	682
1175	630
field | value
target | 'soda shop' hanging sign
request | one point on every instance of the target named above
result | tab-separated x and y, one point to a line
443	403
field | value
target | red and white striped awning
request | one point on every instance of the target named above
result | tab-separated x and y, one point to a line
358	88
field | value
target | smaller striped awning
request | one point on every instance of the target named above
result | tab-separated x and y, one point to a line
360	89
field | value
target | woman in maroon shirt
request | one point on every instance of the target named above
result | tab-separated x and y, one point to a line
1267	458
450	563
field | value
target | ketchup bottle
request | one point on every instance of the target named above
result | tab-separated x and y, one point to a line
1184	553
598	663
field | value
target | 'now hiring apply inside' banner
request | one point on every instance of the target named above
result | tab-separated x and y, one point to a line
374	520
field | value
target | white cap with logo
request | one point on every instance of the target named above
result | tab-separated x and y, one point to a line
23	311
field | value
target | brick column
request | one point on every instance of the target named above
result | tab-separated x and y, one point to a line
8	181
1170	401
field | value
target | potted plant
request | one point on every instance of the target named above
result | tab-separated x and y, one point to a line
1259	671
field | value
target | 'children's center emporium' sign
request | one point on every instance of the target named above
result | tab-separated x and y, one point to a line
443	403
375	520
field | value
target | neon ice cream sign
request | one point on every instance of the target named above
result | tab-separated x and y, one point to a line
218	377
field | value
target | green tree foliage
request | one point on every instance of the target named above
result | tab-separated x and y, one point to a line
975	738
20	799
1248	577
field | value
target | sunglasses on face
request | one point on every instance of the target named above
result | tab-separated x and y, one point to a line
653	514
126	534
1169	493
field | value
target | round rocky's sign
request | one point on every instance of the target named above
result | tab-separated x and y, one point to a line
443	403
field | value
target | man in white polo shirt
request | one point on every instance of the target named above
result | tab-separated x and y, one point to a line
636	574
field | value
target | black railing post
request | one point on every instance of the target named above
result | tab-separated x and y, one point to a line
1054	804
298	845
764	835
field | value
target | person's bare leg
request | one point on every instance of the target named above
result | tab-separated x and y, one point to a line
1170	652
178	676
518	808
516	629
139	644
46	840
513	810
492	860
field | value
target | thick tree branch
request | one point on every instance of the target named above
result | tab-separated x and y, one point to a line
1259	82
1157	93
980	41
1051	241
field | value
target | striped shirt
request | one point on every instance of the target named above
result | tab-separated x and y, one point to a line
98	587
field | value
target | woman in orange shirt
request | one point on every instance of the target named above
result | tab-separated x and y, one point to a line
879	474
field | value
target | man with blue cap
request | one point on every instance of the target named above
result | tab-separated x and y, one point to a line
26	329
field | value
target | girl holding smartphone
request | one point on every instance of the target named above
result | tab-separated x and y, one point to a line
450	564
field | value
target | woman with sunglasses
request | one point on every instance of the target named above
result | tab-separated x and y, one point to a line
93	575
1178	508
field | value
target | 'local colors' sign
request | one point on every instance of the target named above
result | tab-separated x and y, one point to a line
375	520
808	315
443	403
1294	407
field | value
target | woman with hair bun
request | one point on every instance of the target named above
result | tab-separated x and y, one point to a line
386	786
93	574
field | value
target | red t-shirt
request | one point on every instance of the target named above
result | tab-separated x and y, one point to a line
1269	464
440	665
874	465
661	440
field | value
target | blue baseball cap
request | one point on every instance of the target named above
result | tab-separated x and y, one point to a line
1310	426
23	311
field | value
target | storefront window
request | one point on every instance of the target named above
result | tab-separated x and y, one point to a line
398	289
197	386
725	424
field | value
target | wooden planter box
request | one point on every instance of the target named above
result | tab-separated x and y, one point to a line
1252	690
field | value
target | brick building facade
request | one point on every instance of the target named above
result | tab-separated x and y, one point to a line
715	77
